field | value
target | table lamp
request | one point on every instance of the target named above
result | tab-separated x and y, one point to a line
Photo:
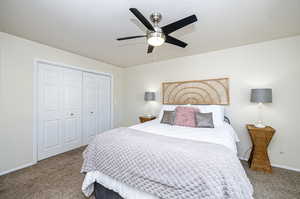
149	96
260	96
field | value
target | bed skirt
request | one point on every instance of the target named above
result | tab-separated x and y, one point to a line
103	193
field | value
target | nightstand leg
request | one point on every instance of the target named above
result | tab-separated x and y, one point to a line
250	158
260	160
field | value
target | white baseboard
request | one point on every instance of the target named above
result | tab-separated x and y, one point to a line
241	158
17	168
276	165
285	167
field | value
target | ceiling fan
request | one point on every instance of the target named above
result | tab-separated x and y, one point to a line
156	35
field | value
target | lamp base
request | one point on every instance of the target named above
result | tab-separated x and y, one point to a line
148	115
259	124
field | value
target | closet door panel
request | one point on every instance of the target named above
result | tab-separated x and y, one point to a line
72	107
104	103
52	134
49	111
90	97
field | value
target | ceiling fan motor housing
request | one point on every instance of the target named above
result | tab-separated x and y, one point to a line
156	37
155	17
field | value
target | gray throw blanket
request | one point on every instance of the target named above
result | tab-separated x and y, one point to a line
166	167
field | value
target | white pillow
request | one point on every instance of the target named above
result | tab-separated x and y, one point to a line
217	110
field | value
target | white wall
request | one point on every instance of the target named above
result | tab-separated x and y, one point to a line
274	64
16	94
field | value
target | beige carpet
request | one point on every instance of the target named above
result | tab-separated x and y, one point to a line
59	178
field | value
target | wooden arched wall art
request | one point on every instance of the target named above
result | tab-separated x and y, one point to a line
211	91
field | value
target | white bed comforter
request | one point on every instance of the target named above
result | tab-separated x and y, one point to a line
224	135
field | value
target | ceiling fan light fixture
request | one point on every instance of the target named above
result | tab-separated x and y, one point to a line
156	38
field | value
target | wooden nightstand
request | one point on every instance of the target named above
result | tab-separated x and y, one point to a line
261	137
146	119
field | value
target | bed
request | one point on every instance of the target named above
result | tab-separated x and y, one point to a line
223	135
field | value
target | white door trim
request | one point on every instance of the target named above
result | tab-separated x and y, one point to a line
35	97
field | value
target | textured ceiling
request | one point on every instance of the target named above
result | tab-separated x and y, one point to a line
90	27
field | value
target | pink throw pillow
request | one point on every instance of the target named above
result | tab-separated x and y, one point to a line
185	116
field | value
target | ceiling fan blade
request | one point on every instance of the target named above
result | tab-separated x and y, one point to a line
132	37
141	18
150	49
179	24
174	41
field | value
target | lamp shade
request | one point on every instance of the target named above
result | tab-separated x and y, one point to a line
261	95
149	96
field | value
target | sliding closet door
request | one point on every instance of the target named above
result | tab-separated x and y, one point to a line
90	104
59	110
97	105
104	103
72	107
49	111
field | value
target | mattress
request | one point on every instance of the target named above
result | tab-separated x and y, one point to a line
223	135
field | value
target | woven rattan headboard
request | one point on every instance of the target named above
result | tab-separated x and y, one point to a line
211	91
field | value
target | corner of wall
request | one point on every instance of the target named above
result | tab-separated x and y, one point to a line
1	64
